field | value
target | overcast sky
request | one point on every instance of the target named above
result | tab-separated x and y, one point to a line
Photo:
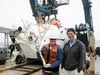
12	12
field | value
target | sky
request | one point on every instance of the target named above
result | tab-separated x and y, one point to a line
12	12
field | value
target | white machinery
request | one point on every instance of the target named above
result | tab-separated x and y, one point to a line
33	37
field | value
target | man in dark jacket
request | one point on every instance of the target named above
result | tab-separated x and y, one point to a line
74	55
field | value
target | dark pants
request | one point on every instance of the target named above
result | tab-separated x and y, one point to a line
53	73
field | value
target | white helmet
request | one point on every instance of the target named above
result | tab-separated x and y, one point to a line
53	37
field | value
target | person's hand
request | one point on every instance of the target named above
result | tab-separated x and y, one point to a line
47	65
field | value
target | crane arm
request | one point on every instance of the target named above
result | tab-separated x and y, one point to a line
88	13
